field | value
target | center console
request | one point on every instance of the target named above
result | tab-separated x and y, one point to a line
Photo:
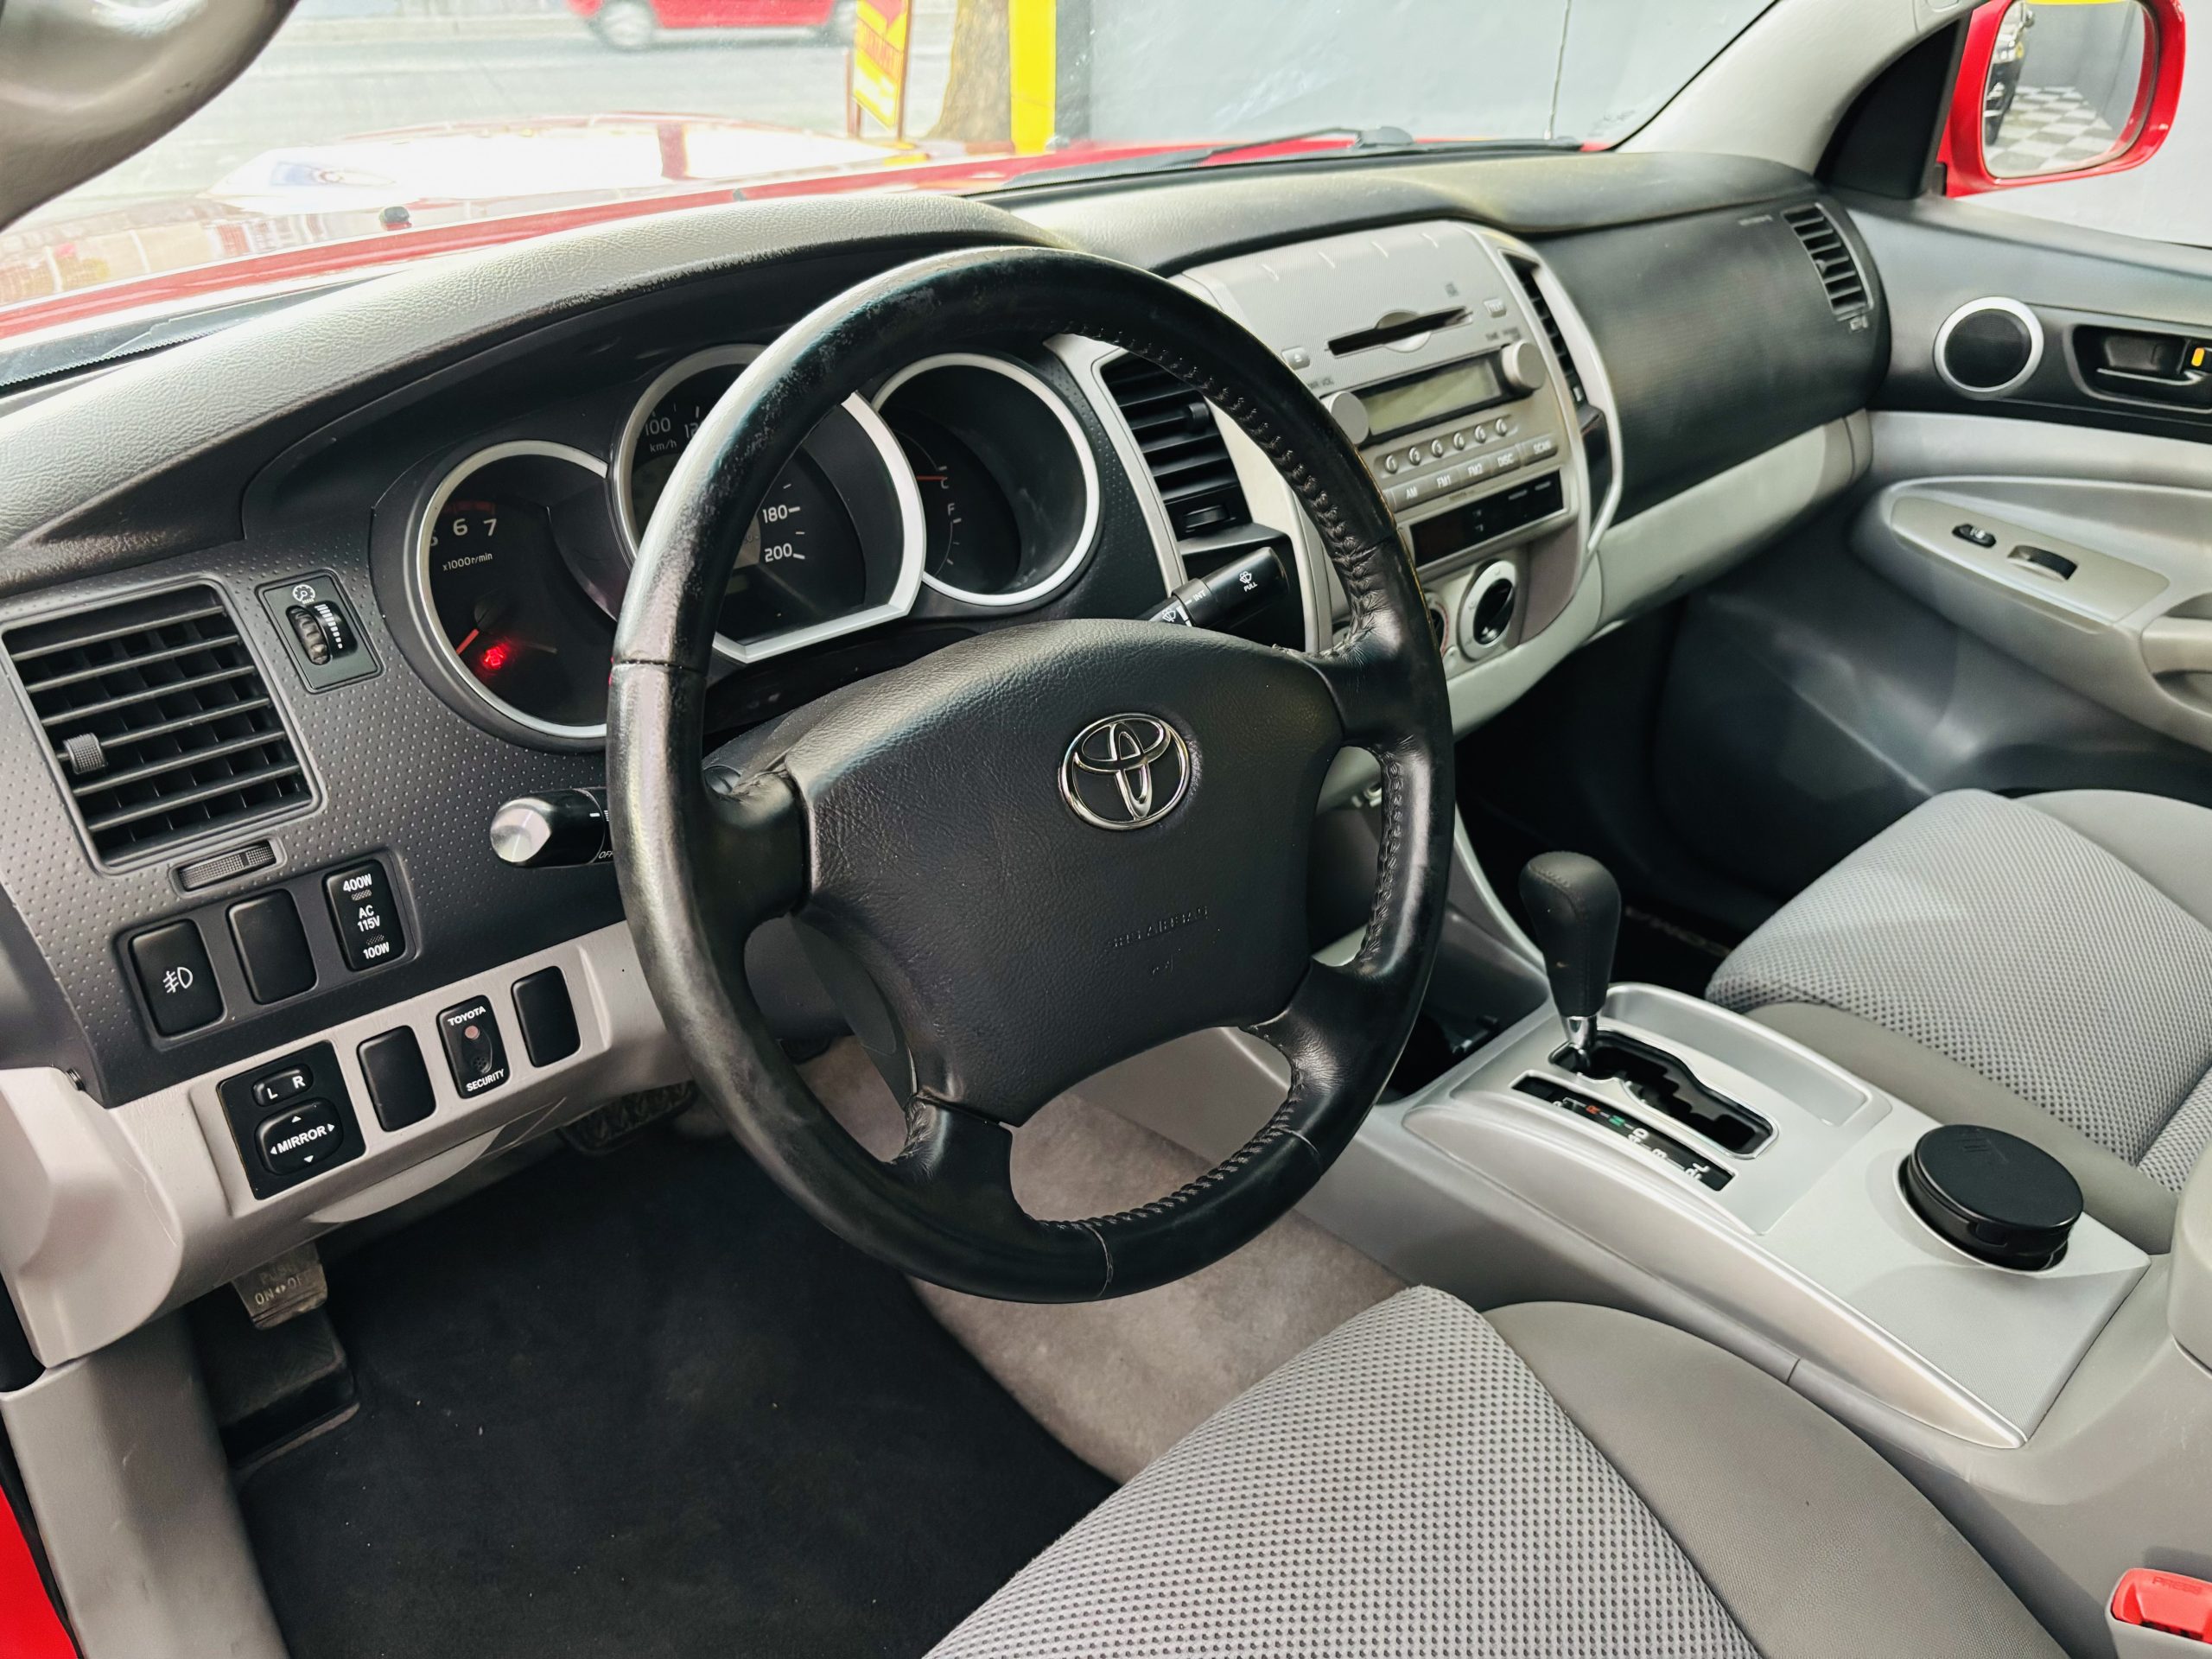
1462	374
1807	1236
1936	1286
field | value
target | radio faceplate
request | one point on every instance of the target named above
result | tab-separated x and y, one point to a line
1418	341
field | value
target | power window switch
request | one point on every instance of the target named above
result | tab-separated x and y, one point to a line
474	1054
1975	534
173	970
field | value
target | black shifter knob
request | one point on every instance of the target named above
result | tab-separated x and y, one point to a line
1574	915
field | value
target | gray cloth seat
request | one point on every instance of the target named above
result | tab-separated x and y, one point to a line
2040	965
1554	1482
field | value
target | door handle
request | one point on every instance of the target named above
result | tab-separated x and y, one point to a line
2177	644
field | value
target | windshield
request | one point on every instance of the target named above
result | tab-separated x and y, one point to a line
375	129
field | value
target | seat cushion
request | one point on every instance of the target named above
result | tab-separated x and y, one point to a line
1409	1485
2057	946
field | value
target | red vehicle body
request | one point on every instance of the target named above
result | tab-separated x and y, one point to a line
239	250
631	25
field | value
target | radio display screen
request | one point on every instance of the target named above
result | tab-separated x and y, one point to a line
1431	397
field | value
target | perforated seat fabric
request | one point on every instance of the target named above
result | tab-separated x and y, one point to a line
1407	1486
2057	946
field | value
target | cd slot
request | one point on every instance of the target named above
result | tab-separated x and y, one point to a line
1476	522
1391	330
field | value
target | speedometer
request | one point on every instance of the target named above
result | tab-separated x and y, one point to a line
837	545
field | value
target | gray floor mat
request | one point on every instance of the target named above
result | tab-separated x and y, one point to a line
1118	1382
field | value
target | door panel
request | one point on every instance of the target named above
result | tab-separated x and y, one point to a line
1880	655
1809	702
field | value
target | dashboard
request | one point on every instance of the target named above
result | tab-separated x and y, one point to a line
290	611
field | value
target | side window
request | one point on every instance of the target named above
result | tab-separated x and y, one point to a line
2077	111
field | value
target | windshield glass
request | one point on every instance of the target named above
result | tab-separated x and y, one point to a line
376	130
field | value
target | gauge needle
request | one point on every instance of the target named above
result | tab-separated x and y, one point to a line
467	641
929	478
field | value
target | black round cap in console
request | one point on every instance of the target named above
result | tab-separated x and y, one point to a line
1994	1195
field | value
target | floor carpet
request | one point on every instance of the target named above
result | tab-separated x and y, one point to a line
640	1405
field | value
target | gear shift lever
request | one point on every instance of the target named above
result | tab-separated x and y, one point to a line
1574	915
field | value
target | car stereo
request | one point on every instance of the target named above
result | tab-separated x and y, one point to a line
1419	340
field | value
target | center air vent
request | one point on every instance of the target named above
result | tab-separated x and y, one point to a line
1832	258
1542	307
1183	449
156	720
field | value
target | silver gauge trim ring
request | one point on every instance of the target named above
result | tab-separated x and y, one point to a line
1030	382
912	537
426	607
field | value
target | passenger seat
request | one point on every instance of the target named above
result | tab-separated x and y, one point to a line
2040	965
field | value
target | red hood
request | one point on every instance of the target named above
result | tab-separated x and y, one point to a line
154	255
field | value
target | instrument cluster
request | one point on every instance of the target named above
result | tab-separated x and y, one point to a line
965	476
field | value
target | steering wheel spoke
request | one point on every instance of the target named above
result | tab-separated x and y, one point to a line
753	866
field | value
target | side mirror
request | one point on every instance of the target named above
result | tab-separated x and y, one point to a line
2061	89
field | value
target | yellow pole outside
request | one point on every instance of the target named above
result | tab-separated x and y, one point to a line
1033	60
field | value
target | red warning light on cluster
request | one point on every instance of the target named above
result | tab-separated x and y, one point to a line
495	656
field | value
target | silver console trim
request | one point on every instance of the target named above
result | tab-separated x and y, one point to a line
110	1217
1811	1245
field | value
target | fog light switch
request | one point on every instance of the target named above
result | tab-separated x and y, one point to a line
473	1051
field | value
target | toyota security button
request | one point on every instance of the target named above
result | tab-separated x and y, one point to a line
473	1047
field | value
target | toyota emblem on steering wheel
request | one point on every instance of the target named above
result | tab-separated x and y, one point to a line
1125	772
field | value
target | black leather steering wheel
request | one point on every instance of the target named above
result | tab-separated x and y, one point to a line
921	821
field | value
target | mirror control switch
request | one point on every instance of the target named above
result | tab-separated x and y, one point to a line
298	1139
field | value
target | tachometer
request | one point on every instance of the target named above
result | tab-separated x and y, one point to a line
504	593
836	545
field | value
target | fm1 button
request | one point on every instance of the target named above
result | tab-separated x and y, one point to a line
473	1052
171	963
309	1135
368	922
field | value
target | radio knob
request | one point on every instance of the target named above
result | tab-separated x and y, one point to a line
1521	366
1345	409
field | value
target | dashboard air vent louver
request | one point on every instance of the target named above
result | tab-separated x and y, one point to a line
1542	308
1831	257
1183	447
157	721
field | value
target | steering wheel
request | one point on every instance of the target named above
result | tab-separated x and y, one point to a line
1040	851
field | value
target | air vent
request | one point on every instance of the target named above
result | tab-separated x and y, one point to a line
160	726
1542	307
1182	447
1831	257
